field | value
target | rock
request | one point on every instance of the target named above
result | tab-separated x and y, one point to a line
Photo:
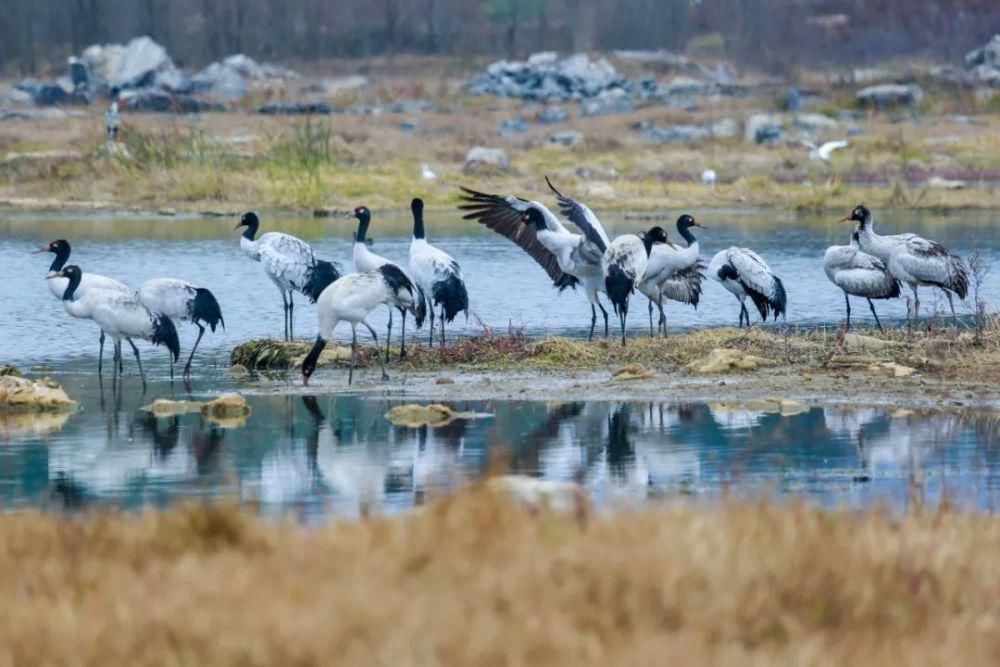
167	211
295	108
513	126
724	360
813	123
786	407
163	101
763	128
892	369
221	83
725	128
946	183
49	94
410	126
420	415
483	158
444	380
104	60
677	133
18	394
551	115
163	407
146	63
228	410
7	370
537	494
863	342
685	85
226	406
889	96
633	372
544	77
343	84
614	101
983	64
599	190
567	138
17	425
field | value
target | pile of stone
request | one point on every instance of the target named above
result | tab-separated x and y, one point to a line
982	65
544	77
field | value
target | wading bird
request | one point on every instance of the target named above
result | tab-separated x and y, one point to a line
859	274
913	260
183	302
350	299
121	316
365	260
745	274
290	264
624	265
567	258
673	273
824	151
436	273
89	281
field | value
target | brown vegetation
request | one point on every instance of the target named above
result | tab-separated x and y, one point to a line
475	579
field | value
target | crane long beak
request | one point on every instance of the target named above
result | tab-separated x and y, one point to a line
238	225
305	380
847	219
671	244
698	224
44	248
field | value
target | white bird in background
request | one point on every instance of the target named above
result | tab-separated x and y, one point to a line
745	274
436	273
708	177
859	274
290	264
89	281
350	299
184	302
567	258
673	272
120	315
426	173
366	260
913	260
624	265
823	151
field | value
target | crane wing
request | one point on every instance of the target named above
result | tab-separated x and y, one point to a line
503	216
752	270
581	216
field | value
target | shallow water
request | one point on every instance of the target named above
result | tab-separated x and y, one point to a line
322	456
506	287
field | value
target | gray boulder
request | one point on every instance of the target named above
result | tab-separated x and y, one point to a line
483	158
889	96
983	64
295	109
546	77
763	128
513	126
675	133
610	102
145	64
813	123
566	138
551	115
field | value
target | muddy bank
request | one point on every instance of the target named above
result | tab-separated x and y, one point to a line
943	368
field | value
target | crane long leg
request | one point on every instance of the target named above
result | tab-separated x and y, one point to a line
593	321
663	318
877	323
402	337
442	325
284	310
650	309
388	333
100	355
951	303
621	316
187	366
430	338
138	361
354	351
916	304
381	361
847	302
291	316
605	313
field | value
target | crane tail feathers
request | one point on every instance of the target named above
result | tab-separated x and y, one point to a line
320	276
619	286
452	295
206	309
165	333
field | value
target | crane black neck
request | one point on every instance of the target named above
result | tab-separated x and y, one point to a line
74	282
364	219
685	232
252	223
647	241
62	256
418	223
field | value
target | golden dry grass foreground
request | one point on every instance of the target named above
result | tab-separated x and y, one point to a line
474	579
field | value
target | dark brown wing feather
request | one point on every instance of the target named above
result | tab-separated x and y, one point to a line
496	213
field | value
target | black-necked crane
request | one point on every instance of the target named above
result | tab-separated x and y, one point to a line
568	259
859	274
673	272
290	264
89	281
121	316
745	274
350	299
183	302
366	260
913	260
624	265
436	273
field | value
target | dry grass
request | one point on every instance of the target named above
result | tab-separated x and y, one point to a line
474	579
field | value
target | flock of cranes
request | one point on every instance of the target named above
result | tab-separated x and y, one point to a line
430	283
